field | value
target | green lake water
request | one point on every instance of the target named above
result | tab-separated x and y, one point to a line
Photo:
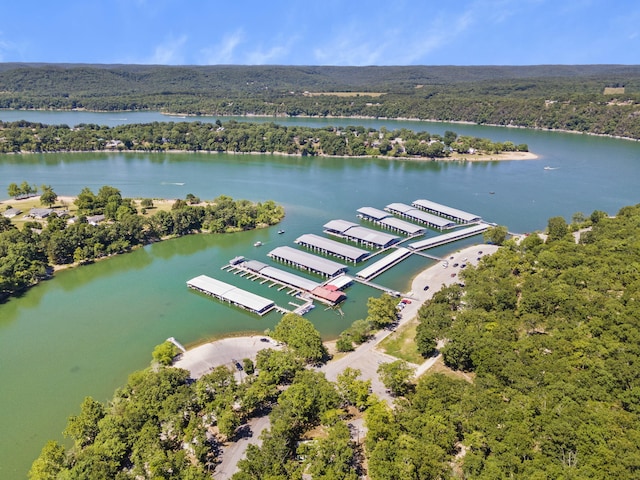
84	331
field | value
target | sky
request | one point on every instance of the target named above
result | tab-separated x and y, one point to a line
327	32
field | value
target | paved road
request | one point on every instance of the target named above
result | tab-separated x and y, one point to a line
233	452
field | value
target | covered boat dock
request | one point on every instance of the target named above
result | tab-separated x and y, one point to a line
413	213
383	264
454	214
384	219
356	233
331	247
307	261
231	294
448	237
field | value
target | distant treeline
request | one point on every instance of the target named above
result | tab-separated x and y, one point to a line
571	97
241	137
27	255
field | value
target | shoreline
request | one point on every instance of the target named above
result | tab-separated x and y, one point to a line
465	157
361	117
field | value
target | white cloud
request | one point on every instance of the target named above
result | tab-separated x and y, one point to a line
224	52
169	52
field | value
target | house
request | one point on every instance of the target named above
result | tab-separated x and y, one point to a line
95	219
40	213
11	212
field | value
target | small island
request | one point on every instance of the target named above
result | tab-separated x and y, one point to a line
43	233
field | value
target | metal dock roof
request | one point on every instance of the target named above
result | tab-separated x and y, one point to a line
387	220
307	261
288	278
419	215
353	231
373	213
347	252
384	263
231	294
448	237
445	211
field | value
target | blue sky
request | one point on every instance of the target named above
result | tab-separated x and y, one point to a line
327	32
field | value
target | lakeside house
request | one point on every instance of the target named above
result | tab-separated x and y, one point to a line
40	213
11	212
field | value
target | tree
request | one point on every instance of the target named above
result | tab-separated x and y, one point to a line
382	311
557	228
48	197
353	391
13	190
302	337
164	353
83	428
495	235
396	376
146	203
50	462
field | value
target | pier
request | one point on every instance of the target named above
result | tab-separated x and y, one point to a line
232	295
416	215
384	264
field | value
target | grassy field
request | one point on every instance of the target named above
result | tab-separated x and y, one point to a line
66	203
613	90
401	343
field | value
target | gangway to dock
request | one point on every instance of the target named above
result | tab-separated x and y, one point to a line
448	237
390	291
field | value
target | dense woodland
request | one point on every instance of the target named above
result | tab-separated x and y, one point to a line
241	137
28	255
542	342
599	99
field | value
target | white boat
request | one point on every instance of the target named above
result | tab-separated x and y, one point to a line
257	244
550	168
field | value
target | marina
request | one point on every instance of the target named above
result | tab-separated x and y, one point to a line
330	292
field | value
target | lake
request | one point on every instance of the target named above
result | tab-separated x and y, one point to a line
84	331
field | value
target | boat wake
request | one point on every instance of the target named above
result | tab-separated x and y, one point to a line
172	183
551	168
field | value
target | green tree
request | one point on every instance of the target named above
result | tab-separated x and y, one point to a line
83	428
302	337
495	235
396	376
382	311
48	197
49	463
353	391
13	190
557	228
164	353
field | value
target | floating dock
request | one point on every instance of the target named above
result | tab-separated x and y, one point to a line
386	220
356	233
230	294
384	264
454	214
448	237
307	261
331	247
417	215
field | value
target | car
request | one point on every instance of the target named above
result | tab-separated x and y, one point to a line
451	257
479	252
406	301
453	275
238	366
465	259
263	339
455	264
463	265
426	287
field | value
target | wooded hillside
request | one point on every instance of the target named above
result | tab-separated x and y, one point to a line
568	97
